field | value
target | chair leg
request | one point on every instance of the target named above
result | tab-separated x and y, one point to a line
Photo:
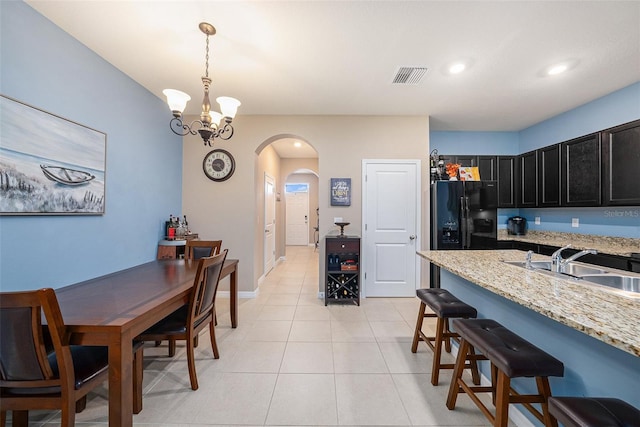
68	413
138	358
195	341
447	343
503	391
19	418
437	352
544	389
191	363
172	347
416	333
214	344
457	374
3	418
81	404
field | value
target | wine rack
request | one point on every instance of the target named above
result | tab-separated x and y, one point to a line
342	274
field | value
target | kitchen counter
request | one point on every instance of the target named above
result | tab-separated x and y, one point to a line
621	246
601	314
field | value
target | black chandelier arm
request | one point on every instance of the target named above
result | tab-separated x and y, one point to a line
225	132
179	128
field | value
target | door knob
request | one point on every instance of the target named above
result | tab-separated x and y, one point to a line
412	237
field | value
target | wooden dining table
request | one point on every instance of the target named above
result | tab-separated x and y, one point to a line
112	310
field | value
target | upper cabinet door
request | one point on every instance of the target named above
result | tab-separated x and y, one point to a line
581	172
549	176
621	159
528	194
507	181
488	168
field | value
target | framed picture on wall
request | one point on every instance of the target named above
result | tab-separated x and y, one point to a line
340	191
49	165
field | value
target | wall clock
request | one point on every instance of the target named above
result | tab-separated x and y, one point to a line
218	165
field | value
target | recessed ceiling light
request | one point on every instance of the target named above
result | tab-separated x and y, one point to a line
457	68
297	144
557	69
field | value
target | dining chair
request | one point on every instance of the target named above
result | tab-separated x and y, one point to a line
187	322
39	369
196	249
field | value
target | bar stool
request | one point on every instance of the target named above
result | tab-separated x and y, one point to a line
511	356
444	306
593	412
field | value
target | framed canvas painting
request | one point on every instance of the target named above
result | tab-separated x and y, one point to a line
49	165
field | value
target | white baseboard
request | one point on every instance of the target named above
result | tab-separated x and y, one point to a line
241	294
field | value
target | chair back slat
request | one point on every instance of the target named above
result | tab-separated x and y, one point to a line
196	249
23	349
206	285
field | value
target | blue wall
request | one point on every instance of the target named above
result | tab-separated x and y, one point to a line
45	67
592	367
481	143
619	107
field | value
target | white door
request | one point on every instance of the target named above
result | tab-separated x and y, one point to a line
297	221
269	224
390	218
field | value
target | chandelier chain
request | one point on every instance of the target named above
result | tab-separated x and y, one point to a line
207	59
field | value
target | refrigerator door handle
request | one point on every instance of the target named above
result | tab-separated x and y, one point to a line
467	216
463	223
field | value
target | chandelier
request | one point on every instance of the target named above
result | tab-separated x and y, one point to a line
211	124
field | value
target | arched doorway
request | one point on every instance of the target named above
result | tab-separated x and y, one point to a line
284	158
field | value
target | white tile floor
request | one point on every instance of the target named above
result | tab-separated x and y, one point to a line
293	361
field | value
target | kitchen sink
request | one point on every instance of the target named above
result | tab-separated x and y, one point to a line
572	269
623	283
536	265
589	275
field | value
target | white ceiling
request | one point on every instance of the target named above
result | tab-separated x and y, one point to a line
339	57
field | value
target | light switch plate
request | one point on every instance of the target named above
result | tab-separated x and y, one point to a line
537	220
575	222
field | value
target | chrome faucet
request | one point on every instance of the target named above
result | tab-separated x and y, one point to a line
558	263
527	260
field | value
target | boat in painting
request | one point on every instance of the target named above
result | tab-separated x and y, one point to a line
66	176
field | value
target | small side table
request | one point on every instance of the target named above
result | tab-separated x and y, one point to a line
174	249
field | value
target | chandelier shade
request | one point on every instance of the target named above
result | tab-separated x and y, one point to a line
211	124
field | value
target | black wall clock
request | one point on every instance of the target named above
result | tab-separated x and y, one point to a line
218	165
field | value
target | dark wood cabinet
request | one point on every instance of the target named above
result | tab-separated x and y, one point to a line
488	168
549	176
506	177
342	277
528	180
466	160
581	171
621	161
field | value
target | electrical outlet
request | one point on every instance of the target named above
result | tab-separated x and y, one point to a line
537	220
575	222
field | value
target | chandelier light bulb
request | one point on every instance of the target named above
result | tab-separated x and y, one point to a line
228	106
177	100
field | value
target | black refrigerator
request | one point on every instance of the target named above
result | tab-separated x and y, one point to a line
463	216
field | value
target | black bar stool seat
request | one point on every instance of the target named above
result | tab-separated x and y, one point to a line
511	356
593	412
443	306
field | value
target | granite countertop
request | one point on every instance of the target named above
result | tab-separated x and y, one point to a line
594	310
622	246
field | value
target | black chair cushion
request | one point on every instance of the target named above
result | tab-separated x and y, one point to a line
593	412
509	352
88	363
173	324
444	304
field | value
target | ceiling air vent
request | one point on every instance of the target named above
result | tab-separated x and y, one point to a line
409	75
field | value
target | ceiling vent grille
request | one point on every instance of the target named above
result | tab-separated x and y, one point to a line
409	75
